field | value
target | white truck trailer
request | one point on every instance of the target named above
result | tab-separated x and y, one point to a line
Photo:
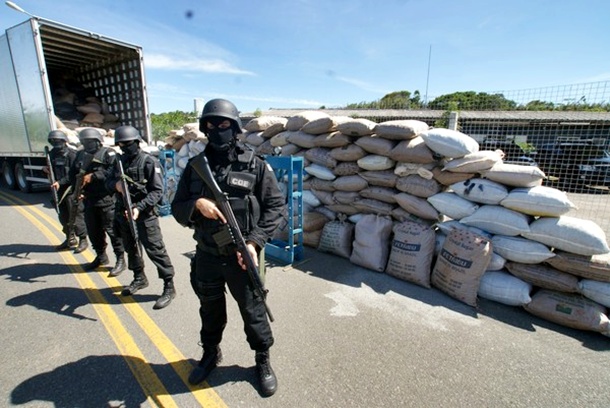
39	60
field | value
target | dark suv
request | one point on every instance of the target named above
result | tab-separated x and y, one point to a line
513	153
576	162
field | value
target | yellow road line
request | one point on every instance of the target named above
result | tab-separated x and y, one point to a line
205	395
151	384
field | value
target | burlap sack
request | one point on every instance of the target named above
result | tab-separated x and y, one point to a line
299	120
460	264
596	267
350	152
418	186
313	221
332	139
401	129
515	175
325	197
349	183
544	276
312	238
322	185
321	156
280	139
385	194
357	127
337	238
264	122
346	197
448	178
376	145
274	129
372	206
346	169
302	139
411	253
318	126
382	178
417	206
570	310
412	151
371	245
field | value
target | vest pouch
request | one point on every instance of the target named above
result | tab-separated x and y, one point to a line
241	181
241	209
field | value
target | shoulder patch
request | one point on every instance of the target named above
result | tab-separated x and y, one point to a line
111	152
157	169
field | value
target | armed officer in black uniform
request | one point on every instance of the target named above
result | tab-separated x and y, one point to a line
258	209
94	161
145	184
62	158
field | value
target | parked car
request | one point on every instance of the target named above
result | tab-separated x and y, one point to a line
575	163
513	153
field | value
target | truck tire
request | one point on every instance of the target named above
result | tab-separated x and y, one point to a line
20	176
8	176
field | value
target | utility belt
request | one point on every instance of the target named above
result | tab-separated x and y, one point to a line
226	250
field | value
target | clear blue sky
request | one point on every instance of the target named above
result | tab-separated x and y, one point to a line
308	53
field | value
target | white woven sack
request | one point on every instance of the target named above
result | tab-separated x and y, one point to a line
578	236
515	175
597	291
310	199
497	262
402	129
480	191
357	127
320	172
521	250
449	143
332	139
412	151
375	162
371	246
474	162
539	201
504	288
498	220
281	139
376	145
452	205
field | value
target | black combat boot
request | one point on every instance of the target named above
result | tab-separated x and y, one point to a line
169	292
82	245
100	259
212	356
69	243
266	376
119	267
139	282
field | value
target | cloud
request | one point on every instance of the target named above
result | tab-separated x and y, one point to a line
182	63
362	85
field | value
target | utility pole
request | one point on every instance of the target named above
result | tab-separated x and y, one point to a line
428	76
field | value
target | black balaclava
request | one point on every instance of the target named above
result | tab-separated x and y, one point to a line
221	140
130	148
91	145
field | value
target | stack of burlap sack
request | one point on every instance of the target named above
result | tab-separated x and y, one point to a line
425	205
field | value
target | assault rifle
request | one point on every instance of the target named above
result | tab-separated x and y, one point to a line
202	168
78	191
128	208
52	179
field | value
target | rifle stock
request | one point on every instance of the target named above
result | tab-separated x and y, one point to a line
128	208
202	168
52	179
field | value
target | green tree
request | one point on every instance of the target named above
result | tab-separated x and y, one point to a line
164	123
393	100
471	100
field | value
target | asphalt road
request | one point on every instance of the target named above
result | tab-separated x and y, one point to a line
345	337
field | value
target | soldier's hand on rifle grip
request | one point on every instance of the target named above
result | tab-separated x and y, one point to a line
55	185
135	213
87	179
252	250
208	209
119	187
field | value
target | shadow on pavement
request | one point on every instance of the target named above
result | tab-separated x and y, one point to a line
23	251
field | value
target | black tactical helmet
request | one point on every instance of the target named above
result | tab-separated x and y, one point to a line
57	135
125	134
220	108
90	133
